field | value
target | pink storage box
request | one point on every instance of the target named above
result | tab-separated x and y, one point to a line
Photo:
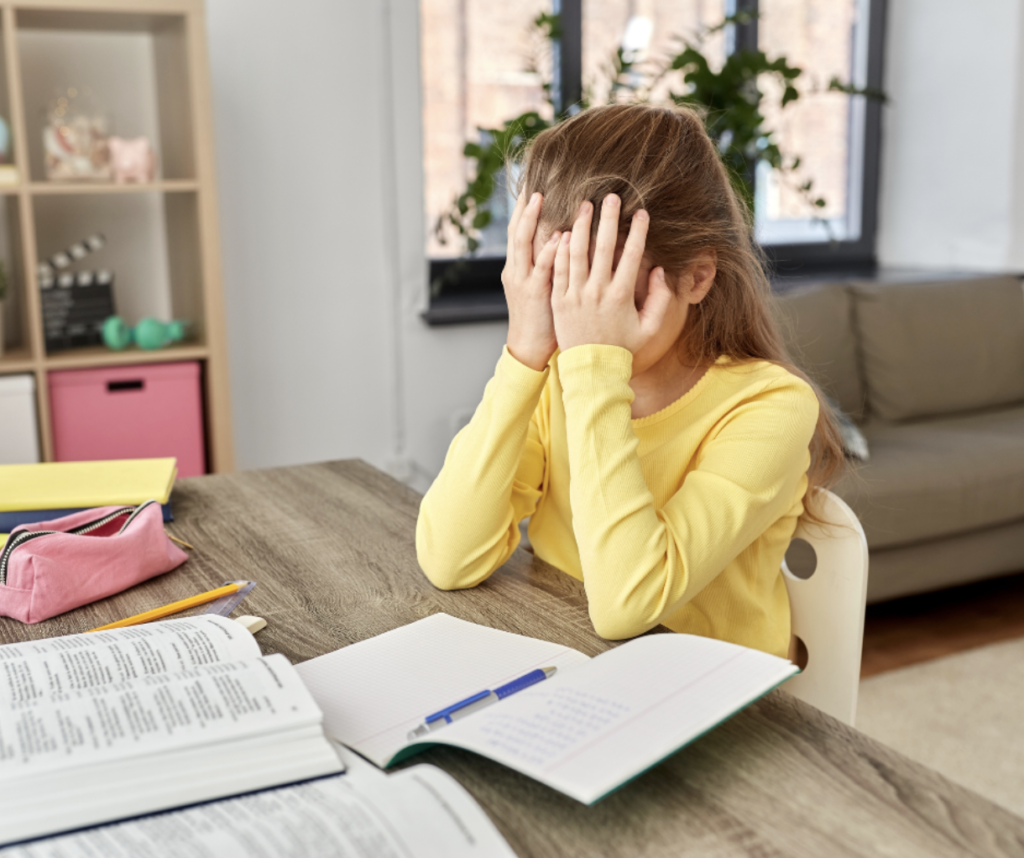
129	412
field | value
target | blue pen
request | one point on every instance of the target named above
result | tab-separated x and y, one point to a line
478	701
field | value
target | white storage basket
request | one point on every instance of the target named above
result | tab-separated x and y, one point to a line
19	432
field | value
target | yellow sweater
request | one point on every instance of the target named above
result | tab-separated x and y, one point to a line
681	517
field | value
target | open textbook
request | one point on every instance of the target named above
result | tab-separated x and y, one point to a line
420	812
109	725
593	726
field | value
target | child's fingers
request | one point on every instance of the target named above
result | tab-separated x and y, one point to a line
525	230
632	254
560	280
579	247
607	238
542	268
659	297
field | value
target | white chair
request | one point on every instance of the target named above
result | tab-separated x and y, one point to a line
828	609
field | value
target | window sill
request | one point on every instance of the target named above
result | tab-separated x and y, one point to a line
467	307
471	307
482	304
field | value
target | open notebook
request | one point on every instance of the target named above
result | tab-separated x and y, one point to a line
586	731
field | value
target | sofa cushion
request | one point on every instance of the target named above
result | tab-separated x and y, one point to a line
941	563
939	477
941	348
817	326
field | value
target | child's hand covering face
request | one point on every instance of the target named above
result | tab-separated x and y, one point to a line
594	303
527	281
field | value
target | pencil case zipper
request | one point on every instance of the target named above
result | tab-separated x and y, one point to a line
19	539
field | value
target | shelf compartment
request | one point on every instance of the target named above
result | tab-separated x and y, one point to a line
152	247
134	65
146	64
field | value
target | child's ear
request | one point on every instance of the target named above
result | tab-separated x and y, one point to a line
705	267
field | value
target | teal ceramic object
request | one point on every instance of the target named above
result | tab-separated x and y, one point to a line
148	334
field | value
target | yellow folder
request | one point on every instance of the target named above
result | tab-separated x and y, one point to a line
74	485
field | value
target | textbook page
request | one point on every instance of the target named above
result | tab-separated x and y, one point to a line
207	704
588	731
420	812
374	692
35	670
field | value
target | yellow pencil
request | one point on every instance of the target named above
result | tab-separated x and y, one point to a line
172	608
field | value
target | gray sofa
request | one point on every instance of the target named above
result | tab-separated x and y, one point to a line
933	373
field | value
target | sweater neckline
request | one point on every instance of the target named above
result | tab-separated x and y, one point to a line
683	400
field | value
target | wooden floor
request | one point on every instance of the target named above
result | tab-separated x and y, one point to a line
919	628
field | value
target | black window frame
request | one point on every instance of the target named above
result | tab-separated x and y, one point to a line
470	288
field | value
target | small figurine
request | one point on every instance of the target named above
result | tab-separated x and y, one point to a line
148	334
132	160
75	138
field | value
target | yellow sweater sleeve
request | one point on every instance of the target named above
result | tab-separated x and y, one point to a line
641	563
468	522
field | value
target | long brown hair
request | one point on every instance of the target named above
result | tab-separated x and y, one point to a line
662	160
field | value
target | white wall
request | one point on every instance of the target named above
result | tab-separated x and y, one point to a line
320	169
300	118
952	186
1016	253
443	369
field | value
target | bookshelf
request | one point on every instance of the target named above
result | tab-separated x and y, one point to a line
148	59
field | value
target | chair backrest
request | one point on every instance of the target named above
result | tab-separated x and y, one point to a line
828	609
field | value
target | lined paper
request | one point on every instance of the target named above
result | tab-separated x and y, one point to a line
588	731
374	692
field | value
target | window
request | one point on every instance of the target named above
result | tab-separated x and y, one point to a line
827	129
484	63
648	31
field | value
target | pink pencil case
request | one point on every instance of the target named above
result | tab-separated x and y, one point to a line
50	567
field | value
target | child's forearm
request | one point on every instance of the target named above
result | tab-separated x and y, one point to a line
641	563
624	549
468	523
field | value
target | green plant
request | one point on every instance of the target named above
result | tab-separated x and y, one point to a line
730	99
471	210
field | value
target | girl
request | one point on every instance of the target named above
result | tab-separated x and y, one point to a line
642	412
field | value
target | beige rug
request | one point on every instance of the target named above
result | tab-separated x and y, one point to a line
962	715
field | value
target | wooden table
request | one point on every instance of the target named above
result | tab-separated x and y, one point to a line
331	546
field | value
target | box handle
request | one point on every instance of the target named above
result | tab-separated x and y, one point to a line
115	386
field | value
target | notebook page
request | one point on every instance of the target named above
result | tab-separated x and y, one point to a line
587	731
374	692
35	670
418	813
